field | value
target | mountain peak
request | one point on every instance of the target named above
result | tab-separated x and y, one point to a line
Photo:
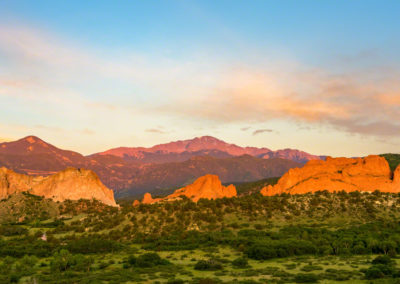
202	145
207	138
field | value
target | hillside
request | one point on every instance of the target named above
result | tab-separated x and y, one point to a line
229	170
393	160
250	239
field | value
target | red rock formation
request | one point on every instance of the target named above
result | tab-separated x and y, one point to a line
73	184
208	187
12	182
336	174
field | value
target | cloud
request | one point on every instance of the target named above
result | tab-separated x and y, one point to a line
64	77
259	131
87	131
154	130
364	102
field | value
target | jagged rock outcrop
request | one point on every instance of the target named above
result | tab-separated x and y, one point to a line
335	174
71	183
208	187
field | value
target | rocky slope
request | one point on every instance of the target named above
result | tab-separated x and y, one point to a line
336	174
292	154
235	169
208	187
71	183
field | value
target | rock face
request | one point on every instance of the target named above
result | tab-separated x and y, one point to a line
208	187
71	183
336	174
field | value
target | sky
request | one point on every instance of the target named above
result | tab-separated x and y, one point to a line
320	76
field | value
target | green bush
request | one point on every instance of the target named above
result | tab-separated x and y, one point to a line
260	252
150	259
308	268
374	273
240	262
305	278
382	259
207	265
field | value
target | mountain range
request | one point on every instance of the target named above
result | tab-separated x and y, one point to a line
135	170
206	145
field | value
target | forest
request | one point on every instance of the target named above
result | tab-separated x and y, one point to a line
322	237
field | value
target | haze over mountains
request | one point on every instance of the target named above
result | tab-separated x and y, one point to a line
130	171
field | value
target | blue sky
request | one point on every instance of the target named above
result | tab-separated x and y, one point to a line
321	76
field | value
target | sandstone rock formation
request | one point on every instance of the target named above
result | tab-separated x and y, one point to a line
336	174
208	187
71	183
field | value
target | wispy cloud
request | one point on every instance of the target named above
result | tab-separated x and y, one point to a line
259	131
154	130
245	128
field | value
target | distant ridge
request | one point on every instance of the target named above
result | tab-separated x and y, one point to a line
182	150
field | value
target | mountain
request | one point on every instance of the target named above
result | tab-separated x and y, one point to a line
128	175
233	169
71	183
33	156
292	154
336	174
180	151
191	145
208	187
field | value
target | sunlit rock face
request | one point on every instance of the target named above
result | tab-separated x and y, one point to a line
71	183
336	174
208	187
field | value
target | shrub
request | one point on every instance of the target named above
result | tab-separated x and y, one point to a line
382	259
305	278
308	268
260	252
147	260
374	273
209	265
240	262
